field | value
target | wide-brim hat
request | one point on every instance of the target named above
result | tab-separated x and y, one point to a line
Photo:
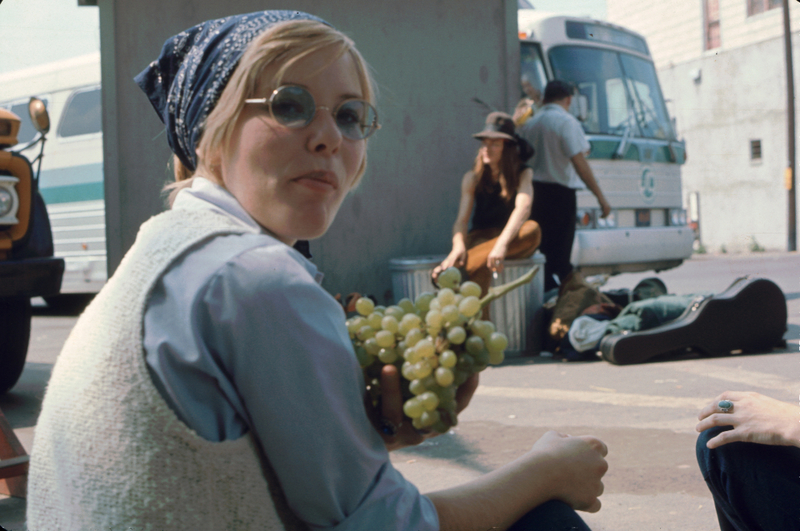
498	125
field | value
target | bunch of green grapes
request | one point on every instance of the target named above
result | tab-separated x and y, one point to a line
436	341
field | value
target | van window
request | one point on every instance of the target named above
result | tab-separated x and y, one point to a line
26	130
82	114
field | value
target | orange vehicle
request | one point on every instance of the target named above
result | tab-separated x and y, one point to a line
27	266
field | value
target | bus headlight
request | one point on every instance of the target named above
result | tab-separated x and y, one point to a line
677	217
608	222
9	200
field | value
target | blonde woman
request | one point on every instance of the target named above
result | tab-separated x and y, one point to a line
212	383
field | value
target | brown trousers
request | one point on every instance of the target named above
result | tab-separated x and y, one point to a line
481	242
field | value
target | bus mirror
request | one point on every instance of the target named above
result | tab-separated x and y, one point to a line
39	116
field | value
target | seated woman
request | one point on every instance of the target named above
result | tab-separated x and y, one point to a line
212	383
749	454
497	194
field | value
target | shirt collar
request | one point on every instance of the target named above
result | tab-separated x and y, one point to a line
207	195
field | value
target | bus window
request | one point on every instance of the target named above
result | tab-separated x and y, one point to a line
622	91
82	114
26	129
532	74
648	101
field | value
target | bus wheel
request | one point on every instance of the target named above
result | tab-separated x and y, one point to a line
15	333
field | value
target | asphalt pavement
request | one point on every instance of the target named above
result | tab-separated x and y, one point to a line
645	413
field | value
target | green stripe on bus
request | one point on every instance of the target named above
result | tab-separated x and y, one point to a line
72	193
605	149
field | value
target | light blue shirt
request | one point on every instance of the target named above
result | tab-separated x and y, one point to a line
239	334
556	137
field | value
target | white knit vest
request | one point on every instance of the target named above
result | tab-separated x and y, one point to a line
108	451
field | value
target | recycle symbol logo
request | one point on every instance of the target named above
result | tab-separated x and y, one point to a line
647	185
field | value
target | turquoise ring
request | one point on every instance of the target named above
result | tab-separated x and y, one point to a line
726	406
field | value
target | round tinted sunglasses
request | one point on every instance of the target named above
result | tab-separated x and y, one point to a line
294	107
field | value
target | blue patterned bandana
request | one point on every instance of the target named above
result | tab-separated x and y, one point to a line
185	82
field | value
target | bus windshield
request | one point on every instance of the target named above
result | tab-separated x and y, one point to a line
622	90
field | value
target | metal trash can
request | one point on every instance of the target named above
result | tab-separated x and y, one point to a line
512	314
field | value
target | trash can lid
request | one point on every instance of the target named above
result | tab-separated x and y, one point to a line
413	263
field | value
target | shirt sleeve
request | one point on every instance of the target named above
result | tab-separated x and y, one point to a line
573	138
283	343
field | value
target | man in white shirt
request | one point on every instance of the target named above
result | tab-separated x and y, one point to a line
559	169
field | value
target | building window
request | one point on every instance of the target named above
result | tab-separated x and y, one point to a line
755	150
711	17
754	7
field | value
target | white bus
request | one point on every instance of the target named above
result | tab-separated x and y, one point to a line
71	180
635	156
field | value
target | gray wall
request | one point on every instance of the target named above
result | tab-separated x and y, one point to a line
430	58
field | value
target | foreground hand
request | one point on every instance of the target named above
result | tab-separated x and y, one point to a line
392	409
605	207
755	418
578	465
495	259
456	258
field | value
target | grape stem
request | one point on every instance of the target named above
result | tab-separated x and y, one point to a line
498	291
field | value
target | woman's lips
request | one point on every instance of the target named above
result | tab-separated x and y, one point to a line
323	181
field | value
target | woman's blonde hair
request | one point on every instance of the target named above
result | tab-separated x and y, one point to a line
284	44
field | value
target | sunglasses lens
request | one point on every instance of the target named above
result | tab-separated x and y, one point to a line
293	106
356	119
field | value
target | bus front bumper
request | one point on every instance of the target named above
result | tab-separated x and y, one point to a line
629	250
36	277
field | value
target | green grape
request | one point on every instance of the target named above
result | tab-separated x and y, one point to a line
457	299
425	348
450	314
465	364
374	320
355	324
482	329
433	318
389	323
481	359
447	393
379	309
411	355
456	335
411	320
407	370
406	304
387	355
365	306
417	387
470	289
362	357
371	346
365	332
433	331
496	358
384	338
474	344
413	337
469	306
461	376
434	305
422	369
434	361
423	301
401	346
449	278
497	342
417	423
440	426
429	418
413	408
429	400
445	296
444	376
448	402
430	383
448	359
395	311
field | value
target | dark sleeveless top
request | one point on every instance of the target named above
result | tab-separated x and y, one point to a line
491	211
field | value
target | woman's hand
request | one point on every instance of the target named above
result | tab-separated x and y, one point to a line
392	409
755	418
495	259
456	258
577	465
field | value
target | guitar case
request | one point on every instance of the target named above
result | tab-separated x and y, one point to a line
749	316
